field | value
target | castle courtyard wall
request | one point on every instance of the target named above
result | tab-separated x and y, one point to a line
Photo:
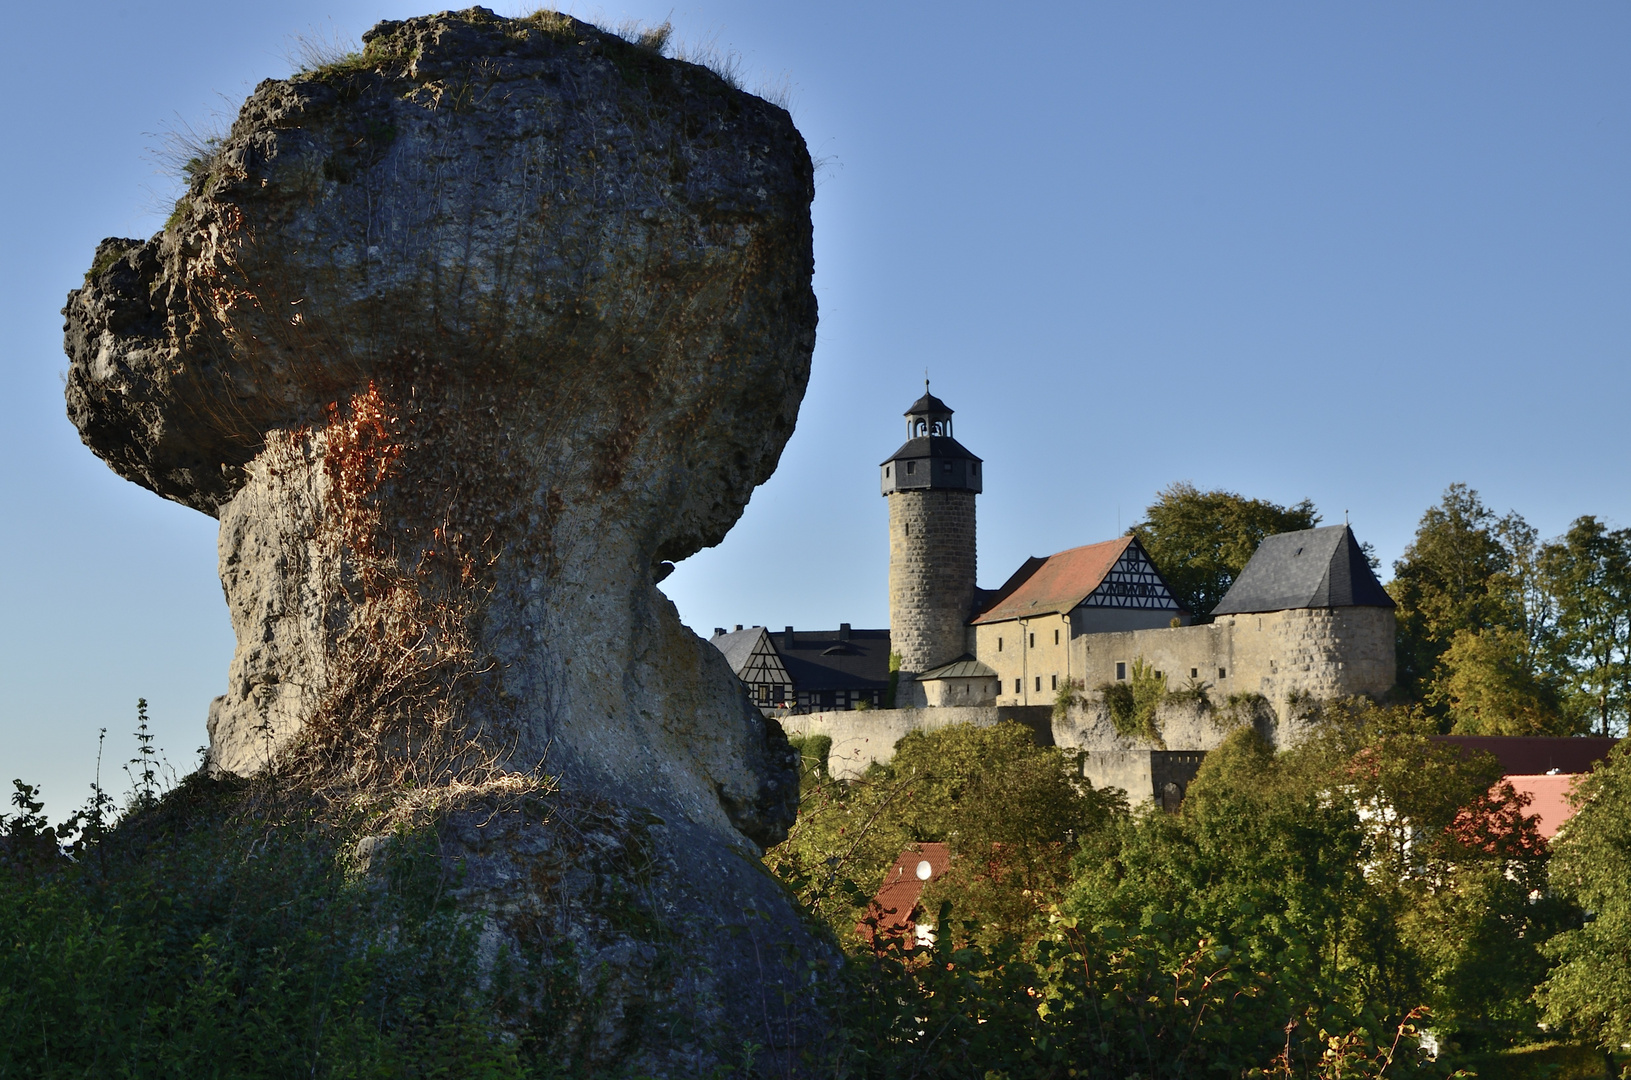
1305	652
1311	652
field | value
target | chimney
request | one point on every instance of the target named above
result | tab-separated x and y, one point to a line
739	626
787	639
719	631
843	631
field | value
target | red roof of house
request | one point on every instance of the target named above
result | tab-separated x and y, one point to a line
1060	583
897	897
1548	798
1534	755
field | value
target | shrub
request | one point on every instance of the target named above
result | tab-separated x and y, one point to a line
1134	702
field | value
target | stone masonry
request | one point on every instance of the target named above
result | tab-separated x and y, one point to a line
931	575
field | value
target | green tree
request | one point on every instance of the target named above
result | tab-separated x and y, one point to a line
1588	574
1589	992
1370	869
1469	571
1488	684
1201	540
1012	813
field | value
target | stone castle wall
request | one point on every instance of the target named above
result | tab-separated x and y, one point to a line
931	576
1311	652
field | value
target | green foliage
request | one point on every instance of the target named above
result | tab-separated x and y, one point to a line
1589	992
813	753
1449	579
1487	685
1067	698
1587	572
1371	870
1202	540
1134	701
326	60
1501	634
106	255
1010	810
174	954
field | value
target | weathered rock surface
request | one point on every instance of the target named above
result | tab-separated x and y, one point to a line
462	342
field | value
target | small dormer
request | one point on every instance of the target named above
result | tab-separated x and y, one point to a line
931	457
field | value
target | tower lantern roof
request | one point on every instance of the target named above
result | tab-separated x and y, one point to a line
930	457
928	405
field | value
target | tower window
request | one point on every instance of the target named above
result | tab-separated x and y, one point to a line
1039	684
886	472
1033	641
999	644
1053	683
974	468
1121	670
911	466
1222	674
908	528
1016	686
1056	637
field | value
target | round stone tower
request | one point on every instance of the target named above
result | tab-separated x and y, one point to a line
930	483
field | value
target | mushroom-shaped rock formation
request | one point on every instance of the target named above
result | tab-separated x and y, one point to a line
464	339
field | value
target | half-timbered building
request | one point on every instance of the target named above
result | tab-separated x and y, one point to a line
809	670
756	662
1030	632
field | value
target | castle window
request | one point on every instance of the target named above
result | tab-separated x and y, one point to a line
1039	684
1033	641
1121	670
908	528
911	466
1222	673
1194	673
1054	684
1016	686
945	466
1056	637
974	468
886	472
999	644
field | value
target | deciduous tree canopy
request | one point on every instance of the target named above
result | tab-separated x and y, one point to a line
1202	540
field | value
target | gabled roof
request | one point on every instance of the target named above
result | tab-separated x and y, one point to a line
1062	582
822	660
1548	799
1535	754
738	645
896	900
1312	568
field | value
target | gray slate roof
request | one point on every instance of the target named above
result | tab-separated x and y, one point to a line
738	645
964	667
931	446
1314	568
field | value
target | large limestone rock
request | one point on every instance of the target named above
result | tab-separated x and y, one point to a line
463	341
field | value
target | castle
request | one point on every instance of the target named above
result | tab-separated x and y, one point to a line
1306	619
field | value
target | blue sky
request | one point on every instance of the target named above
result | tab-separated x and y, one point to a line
1345	252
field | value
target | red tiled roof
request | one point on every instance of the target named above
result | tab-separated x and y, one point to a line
897	897
1548	798
1060	583
1533	755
